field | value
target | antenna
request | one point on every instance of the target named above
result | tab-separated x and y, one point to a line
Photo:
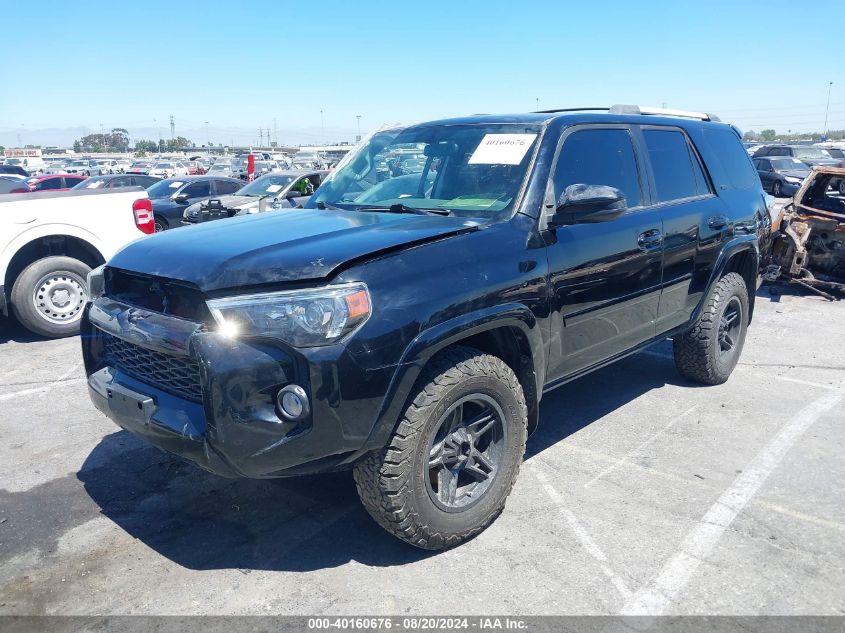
172	127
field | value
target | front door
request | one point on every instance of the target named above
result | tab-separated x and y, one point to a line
605	277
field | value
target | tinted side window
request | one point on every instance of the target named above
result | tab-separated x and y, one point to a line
143	181
672	165
733	158
599	157
52	183
198	189
225	187
122	181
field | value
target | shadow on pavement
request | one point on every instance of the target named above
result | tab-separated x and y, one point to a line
11	330
202	521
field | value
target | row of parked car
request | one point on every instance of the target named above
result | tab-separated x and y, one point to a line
782	168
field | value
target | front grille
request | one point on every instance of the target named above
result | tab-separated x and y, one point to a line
176	375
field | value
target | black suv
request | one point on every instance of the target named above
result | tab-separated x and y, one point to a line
407	325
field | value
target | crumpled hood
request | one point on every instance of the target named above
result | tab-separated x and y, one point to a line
287	246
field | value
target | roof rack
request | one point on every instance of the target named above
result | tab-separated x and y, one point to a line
635	109
570	110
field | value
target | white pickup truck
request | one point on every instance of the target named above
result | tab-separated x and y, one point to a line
50	241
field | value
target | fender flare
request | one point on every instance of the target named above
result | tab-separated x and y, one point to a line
437	338
745	243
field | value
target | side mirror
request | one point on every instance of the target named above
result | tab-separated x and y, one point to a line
580	204
180	198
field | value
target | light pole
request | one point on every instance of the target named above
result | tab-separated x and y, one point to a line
322	125
537	101
207	139
358	116
826	111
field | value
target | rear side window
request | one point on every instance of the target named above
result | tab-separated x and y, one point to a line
198	189
732	157
225	187
677	174
599	157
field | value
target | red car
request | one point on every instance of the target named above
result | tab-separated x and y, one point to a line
53	182
194	168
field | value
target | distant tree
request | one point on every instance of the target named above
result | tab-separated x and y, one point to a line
146	146
175	144
768	135
115	141
750	136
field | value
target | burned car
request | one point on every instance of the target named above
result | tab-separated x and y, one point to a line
809	240
276	190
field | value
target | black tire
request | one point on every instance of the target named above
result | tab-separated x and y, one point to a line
703	353
777	189
49	295
160	225
396	484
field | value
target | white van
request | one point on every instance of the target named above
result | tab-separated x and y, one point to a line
32	164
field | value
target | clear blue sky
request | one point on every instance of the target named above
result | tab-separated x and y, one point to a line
239	65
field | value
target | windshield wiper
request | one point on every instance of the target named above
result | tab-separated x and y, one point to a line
322	206
403	208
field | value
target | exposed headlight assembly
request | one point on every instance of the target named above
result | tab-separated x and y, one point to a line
302	318
792	179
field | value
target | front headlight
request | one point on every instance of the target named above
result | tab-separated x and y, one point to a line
792	180
96	283
302	318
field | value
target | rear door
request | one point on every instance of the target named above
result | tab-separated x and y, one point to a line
689	209
605	278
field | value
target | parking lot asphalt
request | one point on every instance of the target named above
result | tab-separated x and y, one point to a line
641	493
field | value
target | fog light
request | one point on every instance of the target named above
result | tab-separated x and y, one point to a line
292	402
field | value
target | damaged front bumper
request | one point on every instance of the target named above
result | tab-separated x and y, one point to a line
212	399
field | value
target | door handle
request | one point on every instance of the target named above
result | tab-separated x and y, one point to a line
650	240
717	222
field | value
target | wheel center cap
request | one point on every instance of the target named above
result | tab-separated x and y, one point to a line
60	298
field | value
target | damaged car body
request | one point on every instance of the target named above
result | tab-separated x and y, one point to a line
808	247
407	325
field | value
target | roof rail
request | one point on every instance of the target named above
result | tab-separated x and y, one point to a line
635	109
570	110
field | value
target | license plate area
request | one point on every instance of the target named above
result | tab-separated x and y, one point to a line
131	405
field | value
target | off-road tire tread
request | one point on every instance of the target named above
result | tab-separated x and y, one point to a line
692	349
382	477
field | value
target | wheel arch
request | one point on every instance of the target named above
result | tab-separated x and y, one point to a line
51	246
742	257
510	332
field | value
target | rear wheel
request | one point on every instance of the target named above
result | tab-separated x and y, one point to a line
710	349
160	225
453	459
49	295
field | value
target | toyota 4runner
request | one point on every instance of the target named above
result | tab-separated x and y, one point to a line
407	325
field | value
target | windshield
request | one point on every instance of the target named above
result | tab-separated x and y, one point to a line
811	152
13	161
464	169
216	167
784	164
266	185
91	183
164	188
78	163
163	166
835	152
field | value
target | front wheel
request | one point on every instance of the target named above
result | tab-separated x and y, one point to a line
49	295
710	349
453	459
777	189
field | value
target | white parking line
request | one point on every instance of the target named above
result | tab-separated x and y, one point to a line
809	383
62	380
586	541
663	590
627	457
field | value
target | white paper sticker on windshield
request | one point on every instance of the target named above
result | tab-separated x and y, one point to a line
175	184
274	188
94	185
502	149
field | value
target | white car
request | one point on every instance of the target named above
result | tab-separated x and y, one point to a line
55	167
168	169
121	165
32	164
50	241
84	166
